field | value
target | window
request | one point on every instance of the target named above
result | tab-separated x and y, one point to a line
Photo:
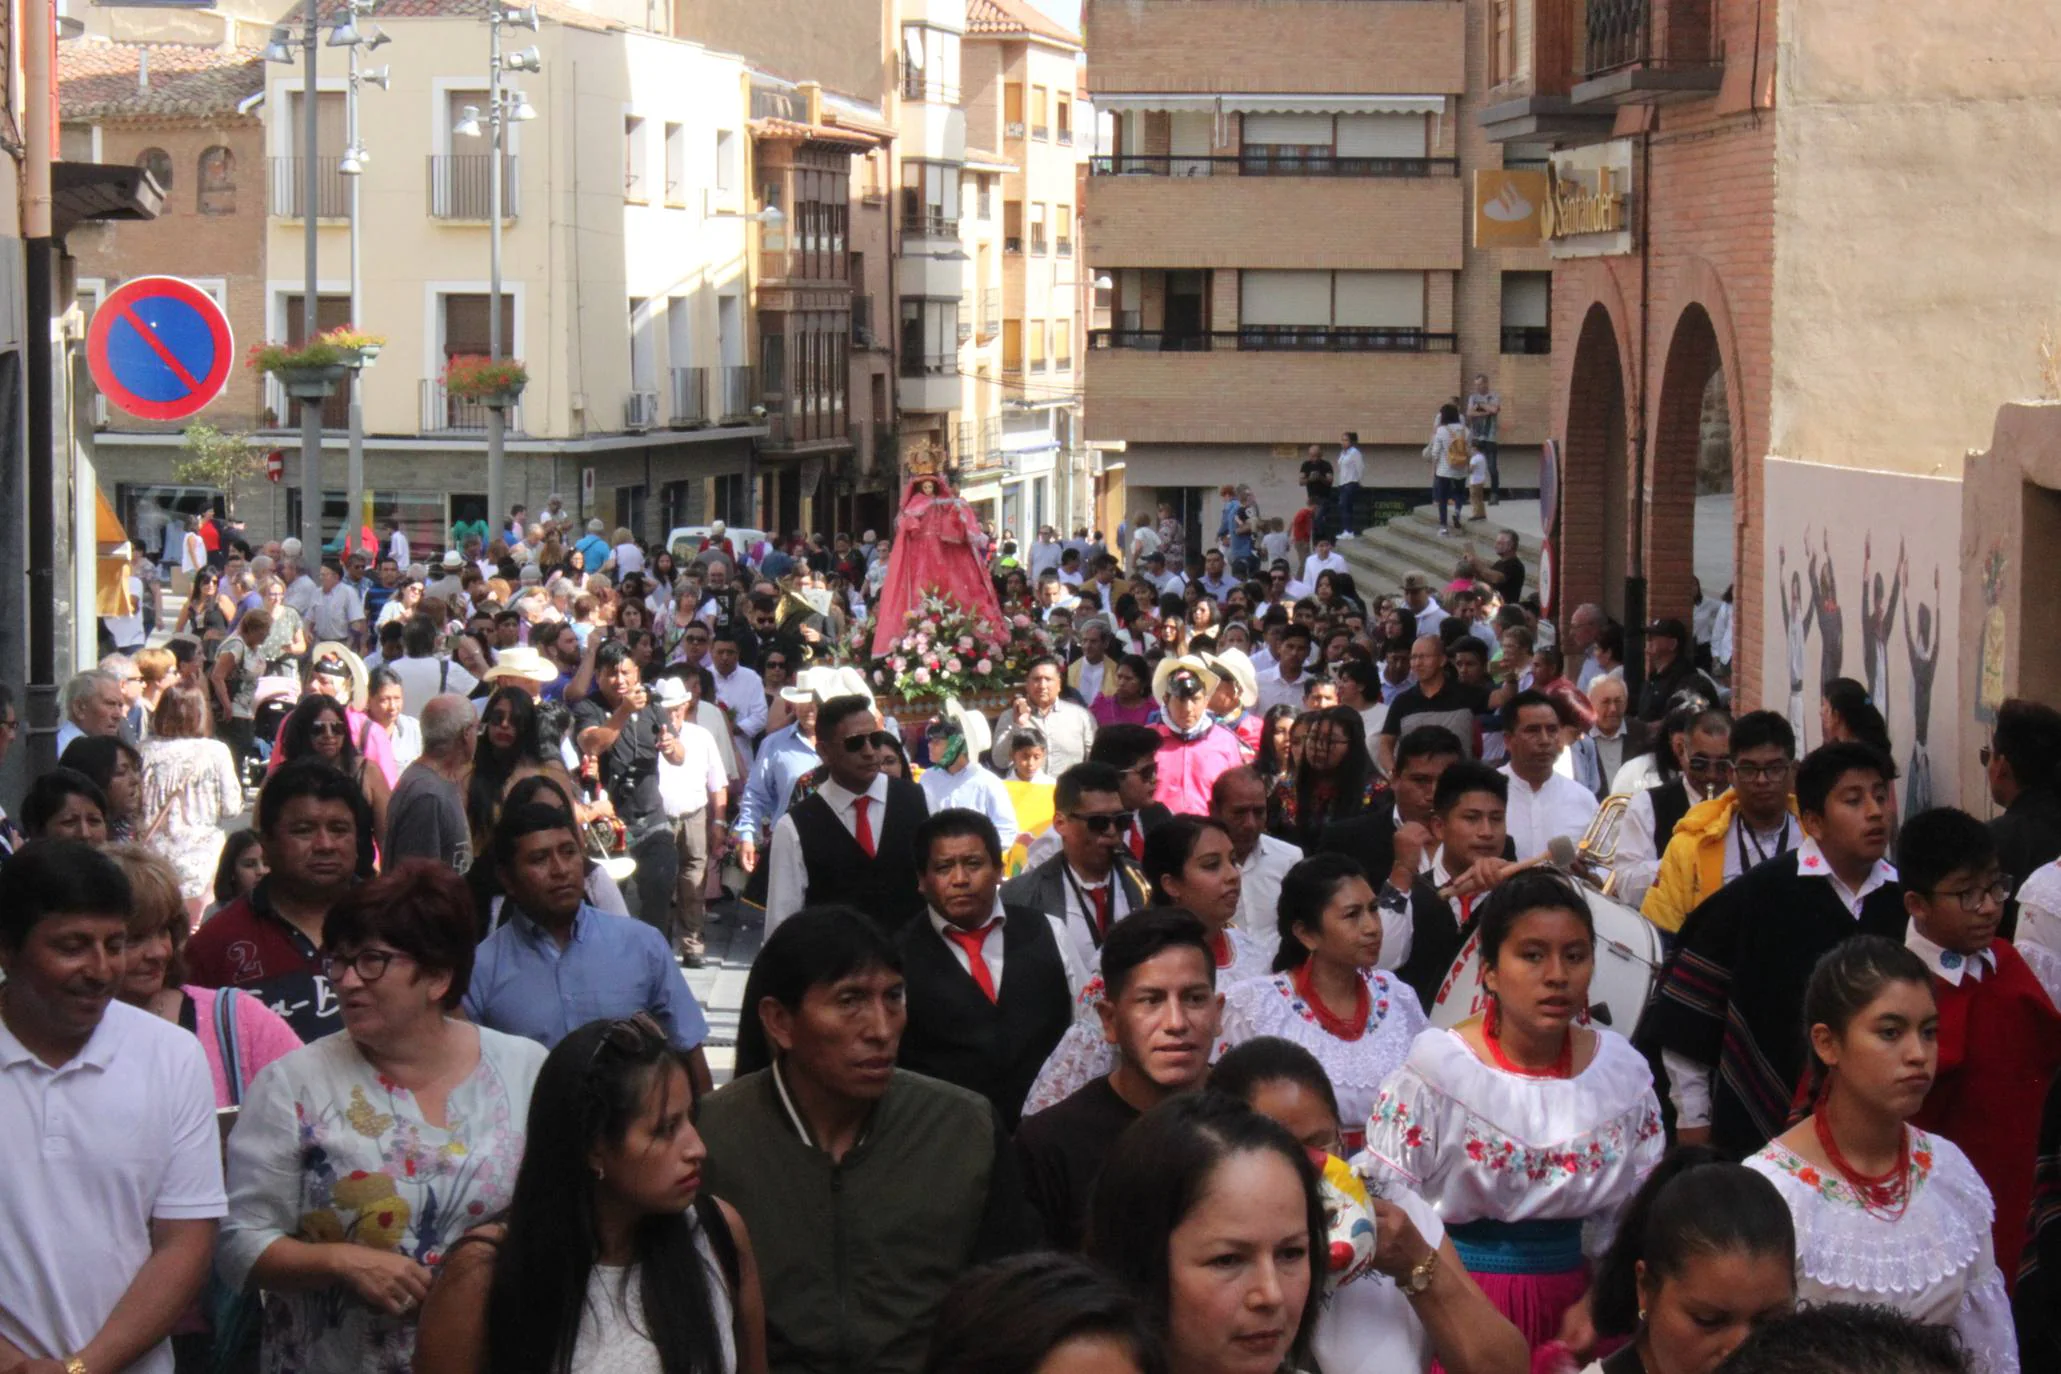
1012	345
1036	341
1351	144
1037	226
930	198
987	196
930	337
465	323
1527	312
635	154
1062	345
158	163
1331	310
676	164
726	159
1502	43
217	182
1062	230
1062	118
1038	100
643	346
930	64
679	332
1012	109
1012	226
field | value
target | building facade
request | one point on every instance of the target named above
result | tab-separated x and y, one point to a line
1289	250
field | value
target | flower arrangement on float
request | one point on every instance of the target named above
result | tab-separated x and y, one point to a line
945	653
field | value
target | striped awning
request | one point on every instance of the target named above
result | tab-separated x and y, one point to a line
1269	103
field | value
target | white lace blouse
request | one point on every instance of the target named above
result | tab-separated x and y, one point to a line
1358	1068
1934	1263
1482	1144
1082	1055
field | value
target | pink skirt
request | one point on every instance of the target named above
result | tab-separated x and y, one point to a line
1536	1305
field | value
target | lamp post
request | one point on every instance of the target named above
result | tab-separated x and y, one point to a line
347	36
503	107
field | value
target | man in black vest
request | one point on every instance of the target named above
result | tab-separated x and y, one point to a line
989	989
1698	739
853	841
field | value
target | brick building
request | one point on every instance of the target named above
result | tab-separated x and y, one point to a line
1287	237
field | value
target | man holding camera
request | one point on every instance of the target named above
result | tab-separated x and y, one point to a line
619	727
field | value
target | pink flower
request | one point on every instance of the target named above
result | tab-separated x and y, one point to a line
984	666
954	665
1021	622
898	663
965	644
922	677
880	675
908	642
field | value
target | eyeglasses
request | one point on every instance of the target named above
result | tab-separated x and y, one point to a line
859	744
1762	772
11	723
327	727
1972	898
1145	772
1704	763
369	964
1101	823
779	663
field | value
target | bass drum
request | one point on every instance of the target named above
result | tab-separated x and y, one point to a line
1628	959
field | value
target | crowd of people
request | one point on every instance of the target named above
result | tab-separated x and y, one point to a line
1124	1027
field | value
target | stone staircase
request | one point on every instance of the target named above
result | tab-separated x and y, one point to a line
1380	558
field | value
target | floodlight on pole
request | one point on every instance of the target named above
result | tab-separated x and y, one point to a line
378	38
377	76
468	122
520	110
522	18
353	162
279	48
524	60
345	34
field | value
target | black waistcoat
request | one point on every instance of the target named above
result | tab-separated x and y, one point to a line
884	886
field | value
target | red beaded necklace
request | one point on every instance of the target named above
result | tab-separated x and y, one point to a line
1881	1195
1343	1028
1563	1067
1220	948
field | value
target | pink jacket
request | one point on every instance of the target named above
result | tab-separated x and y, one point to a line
1189	768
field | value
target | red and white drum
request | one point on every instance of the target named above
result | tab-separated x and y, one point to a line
1628	958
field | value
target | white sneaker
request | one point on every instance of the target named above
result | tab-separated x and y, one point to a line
1444	533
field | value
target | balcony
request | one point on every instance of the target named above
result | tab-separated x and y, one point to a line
966	322
640	411
1012	243
1013	129
1040	133
1649	52
1037	243
460	187
920	86
929	382
979	448
690	398
930	225
730	394
332	188
1349	223
863	335
1527	339
1273	160
443	413
929	364
1274	338
1063	247
990	311
705	396
1229	396
1063	137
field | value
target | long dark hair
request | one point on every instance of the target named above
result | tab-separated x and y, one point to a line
593	1087
297	743
1348	781
491	769
1306	890
1008	1317
1169	848
1270	764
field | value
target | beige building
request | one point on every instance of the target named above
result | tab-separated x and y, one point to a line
1022	97
1284	214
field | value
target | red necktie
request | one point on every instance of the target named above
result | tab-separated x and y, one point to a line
862	829
972	942
1137	842
1101	896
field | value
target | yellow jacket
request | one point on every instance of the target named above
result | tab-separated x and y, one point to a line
1694	865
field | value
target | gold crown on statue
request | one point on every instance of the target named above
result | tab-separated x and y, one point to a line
927	461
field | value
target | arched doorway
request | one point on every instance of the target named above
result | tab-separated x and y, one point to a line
1689	519
1593	544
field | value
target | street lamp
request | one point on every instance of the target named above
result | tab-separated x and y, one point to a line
280	49
346	35
503	107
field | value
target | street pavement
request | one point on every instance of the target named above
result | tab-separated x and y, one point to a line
732	935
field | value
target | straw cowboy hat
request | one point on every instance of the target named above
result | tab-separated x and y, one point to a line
979	738
811	684
1234	664
354	665
522	662
1164	675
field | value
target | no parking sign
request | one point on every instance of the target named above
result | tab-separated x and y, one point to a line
160	348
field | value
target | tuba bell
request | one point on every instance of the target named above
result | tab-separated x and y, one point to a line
1596	853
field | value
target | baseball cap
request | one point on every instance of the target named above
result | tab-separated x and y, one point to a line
1416	582
1670	627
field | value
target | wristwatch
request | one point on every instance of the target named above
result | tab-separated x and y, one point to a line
1419	1278
75	1365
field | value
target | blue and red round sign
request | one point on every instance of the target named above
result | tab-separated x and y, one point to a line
160	348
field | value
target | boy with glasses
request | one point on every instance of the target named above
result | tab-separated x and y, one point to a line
1999	1034
1736	831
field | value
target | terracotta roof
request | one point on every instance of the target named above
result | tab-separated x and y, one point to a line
811	133
97	79
1017	17
557	11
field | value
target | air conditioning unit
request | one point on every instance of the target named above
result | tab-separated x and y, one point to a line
640	411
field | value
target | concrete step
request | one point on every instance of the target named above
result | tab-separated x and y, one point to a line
1381	558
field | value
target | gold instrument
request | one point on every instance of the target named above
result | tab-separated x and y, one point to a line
1596	854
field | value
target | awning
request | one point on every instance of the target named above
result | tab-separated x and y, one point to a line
978	161
1265	103
111	576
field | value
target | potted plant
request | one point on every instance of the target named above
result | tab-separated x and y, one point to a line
361	348
470	377
308	371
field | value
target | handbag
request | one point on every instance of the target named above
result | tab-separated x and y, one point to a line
232	1313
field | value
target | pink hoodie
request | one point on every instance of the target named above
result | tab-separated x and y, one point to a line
1189	768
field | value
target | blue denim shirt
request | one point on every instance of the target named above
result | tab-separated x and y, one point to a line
613	967
783	758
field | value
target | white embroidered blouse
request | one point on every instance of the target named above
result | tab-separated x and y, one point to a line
1480	1143
1357	1068
1934	1263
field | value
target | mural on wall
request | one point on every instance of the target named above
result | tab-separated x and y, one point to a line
1872	599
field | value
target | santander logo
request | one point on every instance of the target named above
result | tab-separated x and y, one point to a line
1509	207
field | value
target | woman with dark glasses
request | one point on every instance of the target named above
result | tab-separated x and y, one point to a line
610	1255
320	728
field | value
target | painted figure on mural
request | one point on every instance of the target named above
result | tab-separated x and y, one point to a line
1990	691
1878	621
1831	619
1923	648
1795	626
934	553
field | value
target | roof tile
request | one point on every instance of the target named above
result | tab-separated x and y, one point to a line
98	79
1017	17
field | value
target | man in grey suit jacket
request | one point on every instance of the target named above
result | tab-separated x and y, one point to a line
1091	882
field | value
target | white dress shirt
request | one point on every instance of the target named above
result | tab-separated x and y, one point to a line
1091	678
1560	806
973	788
334	612
1275	690
1812	863
1080	912
687	787
744	692
1950	964
1260	895
1313	565
991	948
397	549
1430	618
1609	750
788	881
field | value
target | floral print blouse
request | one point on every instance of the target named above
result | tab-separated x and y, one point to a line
329	1150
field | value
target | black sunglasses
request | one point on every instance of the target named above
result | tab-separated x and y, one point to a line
1103	823
879	739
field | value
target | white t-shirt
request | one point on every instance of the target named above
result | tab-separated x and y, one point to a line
685	787
628	559
127	630
1352	465
123	1134
424	678
1477	469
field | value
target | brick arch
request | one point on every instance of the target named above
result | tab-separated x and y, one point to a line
1692	355
1591	548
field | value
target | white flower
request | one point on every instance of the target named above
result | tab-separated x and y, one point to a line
922	676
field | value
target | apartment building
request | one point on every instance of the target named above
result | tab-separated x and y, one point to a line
1022	97
1283	215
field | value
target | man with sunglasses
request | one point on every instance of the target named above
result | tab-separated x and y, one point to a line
1090	884
1698	737
851	841
1736	831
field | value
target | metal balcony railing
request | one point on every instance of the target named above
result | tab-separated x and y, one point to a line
689	397
1012	243
1063	247
1037	244
929	364
990	311
1013	129
917	85
1294	338
286	412
1272	160
443	413
1039	131
332	188
640	411
1063	135
1649	33
461	186
731	393
929	224
1527	338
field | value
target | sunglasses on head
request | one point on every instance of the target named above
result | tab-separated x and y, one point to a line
879	739
1102	823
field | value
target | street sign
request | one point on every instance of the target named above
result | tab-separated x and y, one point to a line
160	348
275	465
1549	488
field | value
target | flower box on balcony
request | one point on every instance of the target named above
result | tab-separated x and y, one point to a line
496	385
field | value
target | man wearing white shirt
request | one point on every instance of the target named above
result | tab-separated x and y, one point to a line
1610	737
1239	799
1325	558
1169	582
1583	627
1070	571
339	612
1093	674
739	688
695	788
956	781
1542	803
424	675
1419	602
1282	684
113	1185
852	841
1352	469
396	543
301	590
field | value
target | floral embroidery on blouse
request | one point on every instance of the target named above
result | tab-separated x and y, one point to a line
1499	1154
1833	1188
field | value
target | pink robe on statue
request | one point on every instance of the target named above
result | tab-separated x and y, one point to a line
933	553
